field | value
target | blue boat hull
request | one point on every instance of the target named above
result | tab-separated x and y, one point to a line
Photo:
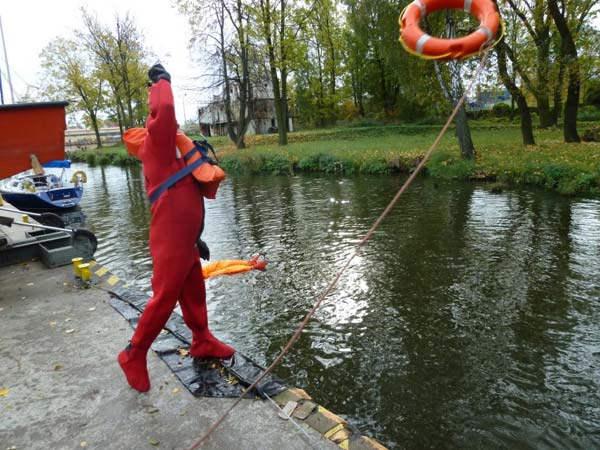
63	198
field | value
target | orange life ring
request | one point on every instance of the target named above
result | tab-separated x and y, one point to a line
419	43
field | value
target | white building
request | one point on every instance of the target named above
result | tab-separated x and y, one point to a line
261	112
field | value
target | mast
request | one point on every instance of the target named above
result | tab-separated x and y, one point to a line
1	91
12	96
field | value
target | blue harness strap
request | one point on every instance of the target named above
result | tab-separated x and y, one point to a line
183	172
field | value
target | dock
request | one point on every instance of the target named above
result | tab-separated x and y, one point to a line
61	387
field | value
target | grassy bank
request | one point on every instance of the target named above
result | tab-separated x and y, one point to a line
565	168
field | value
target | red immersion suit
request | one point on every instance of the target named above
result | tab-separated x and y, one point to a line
176	220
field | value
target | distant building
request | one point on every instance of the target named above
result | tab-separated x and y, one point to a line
484	100
81	138
261	111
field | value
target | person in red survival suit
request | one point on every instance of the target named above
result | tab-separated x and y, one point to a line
175	224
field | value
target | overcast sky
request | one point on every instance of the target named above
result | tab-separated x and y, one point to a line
29	25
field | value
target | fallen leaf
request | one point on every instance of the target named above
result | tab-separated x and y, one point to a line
70	331
53	323
163	331
83	444
3	392
92	309
155	443
68	319
1	309
58	366
175	390
184	352
30	284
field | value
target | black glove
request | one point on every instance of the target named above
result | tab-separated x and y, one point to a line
203	249
158	72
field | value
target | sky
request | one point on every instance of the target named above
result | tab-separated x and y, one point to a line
29	25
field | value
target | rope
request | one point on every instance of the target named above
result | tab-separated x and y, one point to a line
311	441
357	249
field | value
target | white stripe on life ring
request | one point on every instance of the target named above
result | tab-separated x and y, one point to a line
486	31
421	6
467	5
421	43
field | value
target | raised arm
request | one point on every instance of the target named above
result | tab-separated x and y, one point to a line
161	123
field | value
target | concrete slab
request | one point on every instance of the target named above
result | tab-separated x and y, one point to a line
61	387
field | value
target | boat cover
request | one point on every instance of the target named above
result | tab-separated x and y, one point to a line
58	164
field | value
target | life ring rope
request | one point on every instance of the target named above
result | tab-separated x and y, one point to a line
419	44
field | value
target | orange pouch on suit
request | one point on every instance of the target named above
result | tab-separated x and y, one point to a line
195	156
208	174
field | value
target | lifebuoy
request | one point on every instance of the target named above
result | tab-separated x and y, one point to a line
421	44
75	178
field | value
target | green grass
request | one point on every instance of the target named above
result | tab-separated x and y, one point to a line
551	164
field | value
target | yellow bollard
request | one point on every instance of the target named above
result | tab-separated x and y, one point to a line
86	273
76	263
25	218
1	201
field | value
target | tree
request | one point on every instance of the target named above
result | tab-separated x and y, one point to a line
120	57
316	80
382	78
516	93
227	49
277	27
569	54
454	92
537	23
69	73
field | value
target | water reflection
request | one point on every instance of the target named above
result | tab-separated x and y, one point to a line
469	321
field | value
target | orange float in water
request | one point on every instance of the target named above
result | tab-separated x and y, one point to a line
421	44
231	267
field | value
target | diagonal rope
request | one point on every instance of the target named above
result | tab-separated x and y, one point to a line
357	249
311	441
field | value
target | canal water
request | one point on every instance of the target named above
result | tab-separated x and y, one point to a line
470	321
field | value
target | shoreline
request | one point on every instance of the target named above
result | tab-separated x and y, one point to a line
568	169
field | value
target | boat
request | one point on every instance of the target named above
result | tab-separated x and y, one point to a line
42	190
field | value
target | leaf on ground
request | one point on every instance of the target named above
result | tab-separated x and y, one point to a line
52	323
92	309
69	331
184	352
83	444
155	443
175	390
58	366
3	392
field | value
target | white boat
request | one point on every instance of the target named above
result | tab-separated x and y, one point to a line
46	190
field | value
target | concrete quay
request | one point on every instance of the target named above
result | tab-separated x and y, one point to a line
61	387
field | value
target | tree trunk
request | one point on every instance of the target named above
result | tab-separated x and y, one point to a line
454	92
557	111
281	96
517	95
94	120
572	64
542	94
